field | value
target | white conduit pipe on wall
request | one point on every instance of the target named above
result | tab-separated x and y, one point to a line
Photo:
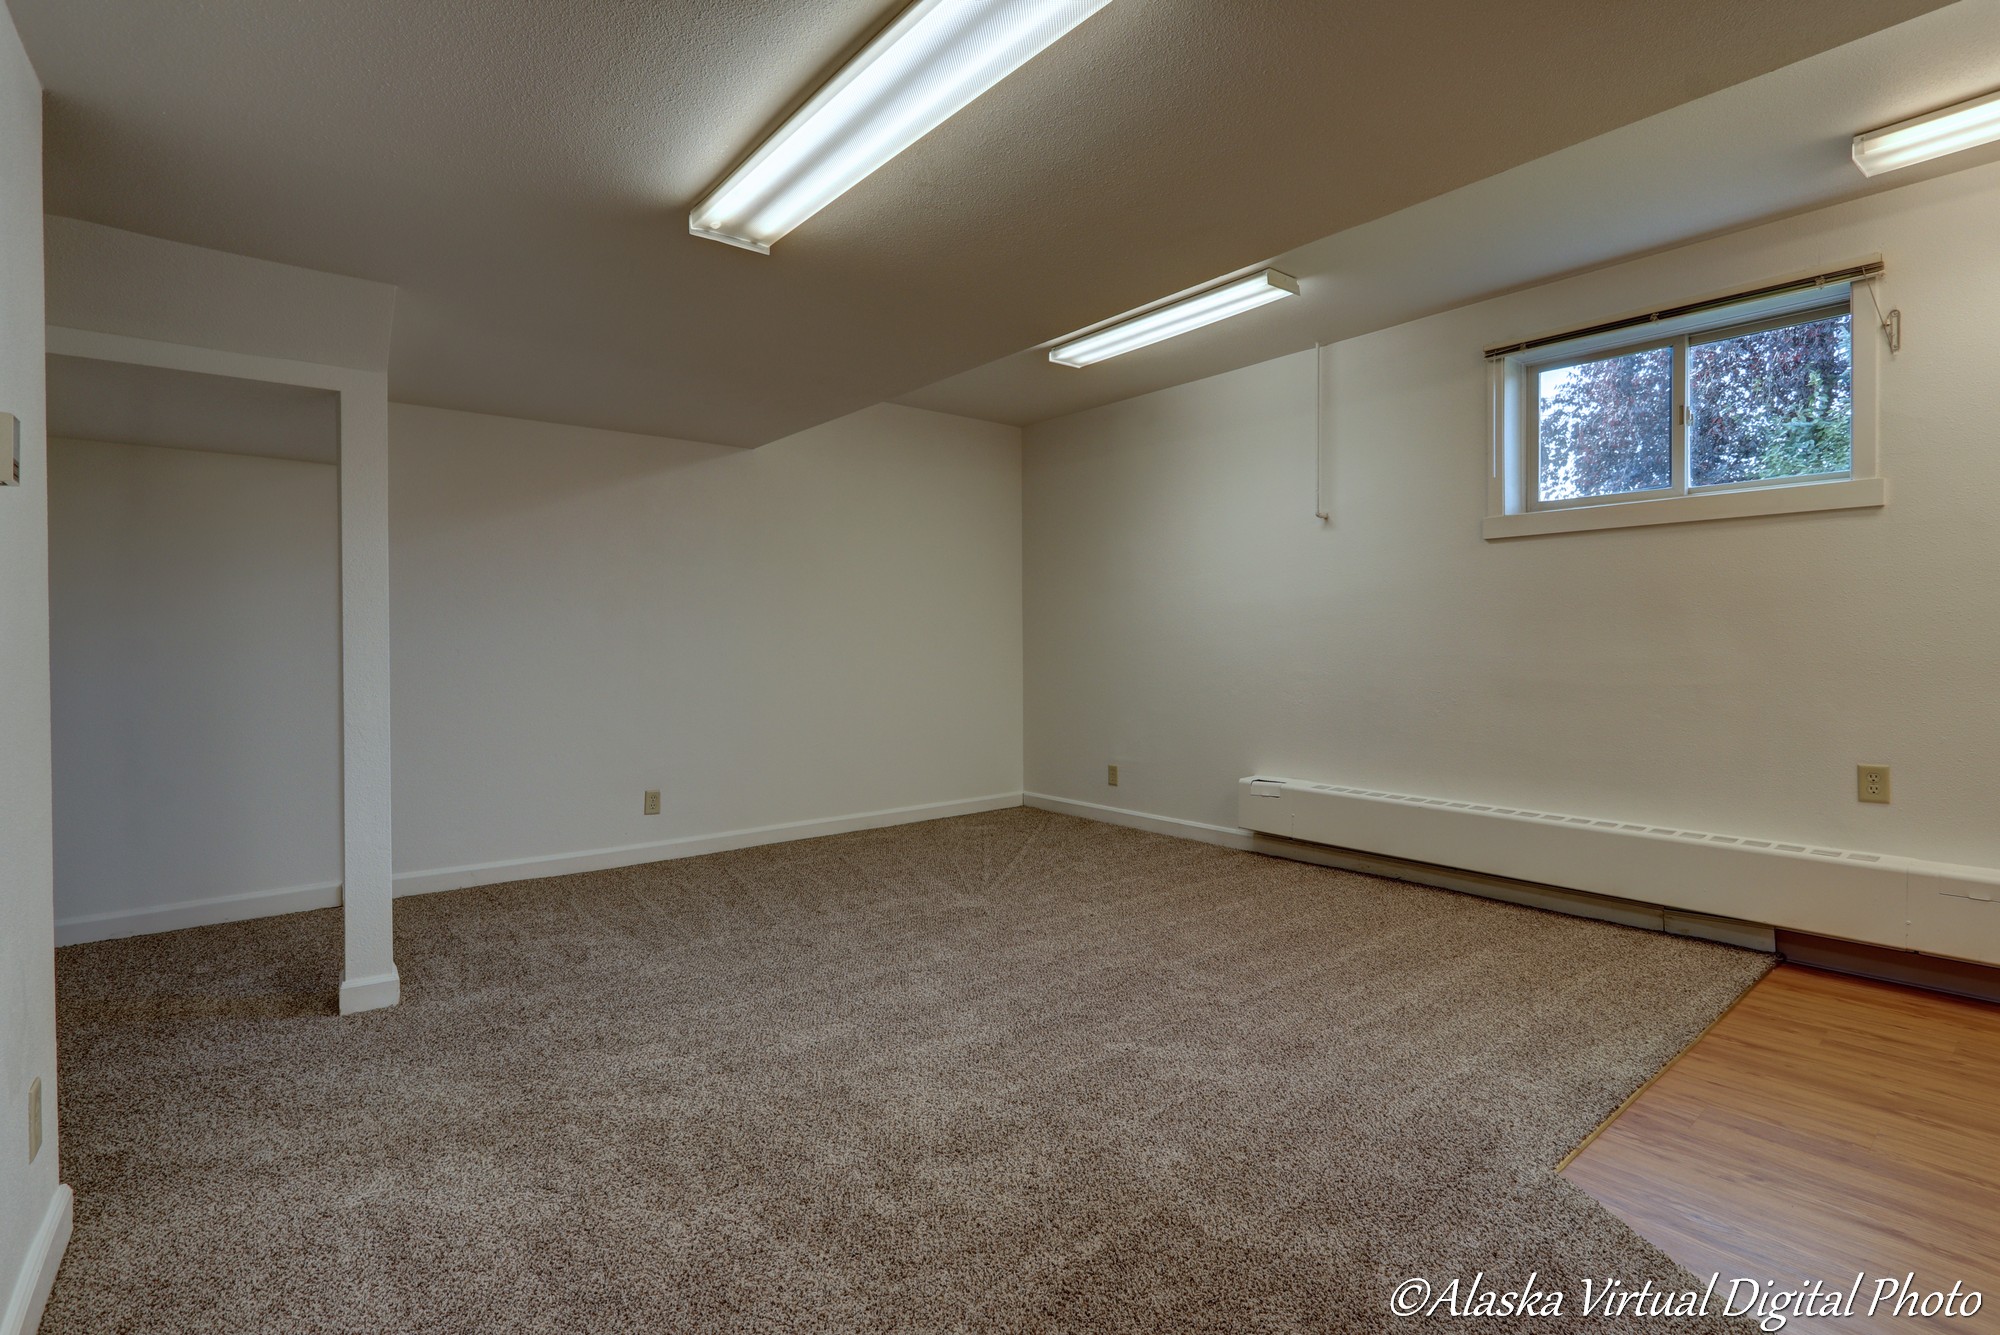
1319	434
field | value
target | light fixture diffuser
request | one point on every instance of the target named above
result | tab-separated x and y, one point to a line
1932	135
923	69
1175	318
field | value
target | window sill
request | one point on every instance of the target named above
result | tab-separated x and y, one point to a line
1847	494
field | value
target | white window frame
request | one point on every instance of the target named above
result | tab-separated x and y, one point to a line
1514	508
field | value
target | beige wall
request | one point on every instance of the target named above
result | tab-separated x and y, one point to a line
195	642
1189	619
827	626
27	957
817	632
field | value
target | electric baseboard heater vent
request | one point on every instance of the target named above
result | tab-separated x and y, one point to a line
1907	903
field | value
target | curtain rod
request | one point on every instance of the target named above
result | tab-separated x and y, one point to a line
1853	274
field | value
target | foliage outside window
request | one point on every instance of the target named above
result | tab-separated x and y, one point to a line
1748	406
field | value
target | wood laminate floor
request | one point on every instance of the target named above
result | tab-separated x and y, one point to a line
1825	1126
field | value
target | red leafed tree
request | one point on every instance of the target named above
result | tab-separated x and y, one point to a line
1772	404
1607	426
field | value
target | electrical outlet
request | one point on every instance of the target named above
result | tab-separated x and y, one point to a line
34	1118
652	802
1871	783
1111	775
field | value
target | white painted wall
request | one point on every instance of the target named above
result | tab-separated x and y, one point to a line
118	282
825	627
28	1191
819	631
1189	619
195	642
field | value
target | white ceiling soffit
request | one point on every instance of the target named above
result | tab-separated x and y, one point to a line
185	410
116	282
1774	145
521	170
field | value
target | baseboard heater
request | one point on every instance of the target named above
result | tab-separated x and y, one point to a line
1904	903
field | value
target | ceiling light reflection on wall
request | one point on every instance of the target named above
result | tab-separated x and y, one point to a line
1921	138
924	68
1176	318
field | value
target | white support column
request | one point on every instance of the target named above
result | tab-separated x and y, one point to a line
369	979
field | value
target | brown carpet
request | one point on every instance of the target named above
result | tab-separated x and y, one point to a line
1010	1072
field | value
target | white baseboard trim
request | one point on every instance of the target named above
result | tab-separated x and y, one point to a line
630	855
1228	836
371	993
1576	903
38	1268
298	898
195	913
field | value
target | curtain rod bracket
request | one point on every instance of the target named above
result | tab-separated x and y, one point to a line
1892	322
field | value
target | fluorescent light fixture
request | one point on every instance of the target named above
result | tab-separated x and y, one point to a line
1176	318
924	68
1921	138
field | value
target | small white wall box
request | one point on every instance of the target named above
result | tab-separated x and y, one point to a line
10	441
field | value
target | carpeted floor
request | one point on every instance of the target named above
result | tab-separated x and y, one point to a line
1009	1072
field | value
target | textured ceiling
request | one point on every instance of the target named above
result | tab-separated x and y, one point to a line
1770	146
522	169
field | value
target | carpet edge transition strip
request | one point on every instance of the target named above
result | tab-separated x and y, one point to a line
1563	1164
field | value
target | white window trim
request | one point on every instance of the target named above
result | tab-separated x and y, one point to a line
1511	511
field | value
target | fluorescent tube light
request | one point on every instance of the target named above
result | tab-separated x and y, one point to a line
924	68
1921	138
1175	318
